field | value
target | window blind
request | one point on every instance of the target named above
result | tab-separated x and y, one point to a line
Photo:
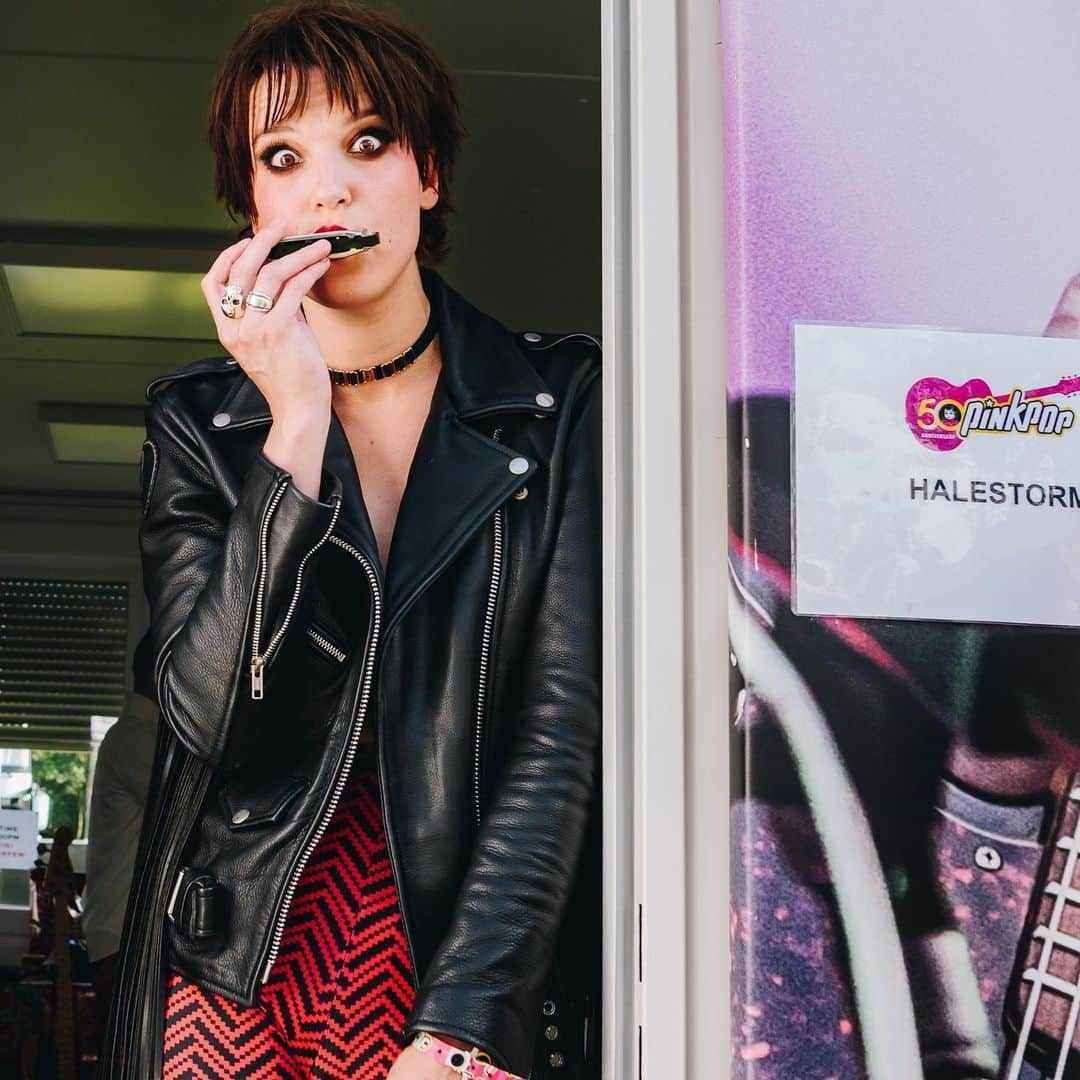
63	652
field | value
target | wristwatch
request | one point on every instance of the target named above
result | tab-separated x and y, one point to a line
471	1063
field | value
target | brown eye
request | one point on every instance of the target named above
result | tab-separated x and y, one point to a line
371	141
281	158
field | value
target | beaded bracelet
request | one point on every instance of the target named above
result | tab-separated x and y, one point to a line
472	1063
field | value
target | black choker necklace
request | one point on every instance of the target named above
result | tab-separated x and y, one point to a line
356	376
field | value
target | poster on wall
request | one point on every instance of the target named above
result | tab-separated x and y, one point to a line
18	839
903	314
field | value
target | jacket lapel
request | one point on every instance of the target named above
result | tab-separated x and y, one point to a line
460	475
244	407
353	523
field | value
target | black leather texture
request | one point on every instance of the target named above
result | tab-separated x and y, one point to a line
475	657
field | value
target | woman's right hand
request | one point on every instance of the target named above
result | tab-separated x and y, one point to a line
276	348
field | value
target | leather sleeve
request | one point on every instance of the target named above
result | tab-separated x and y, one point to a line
485	981
204	566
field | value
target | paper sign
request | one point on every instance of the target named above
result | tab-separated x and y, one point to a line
936	475
18	839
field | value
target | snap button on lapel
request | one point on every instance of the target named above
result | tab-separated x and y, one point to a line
545	401
531	337
518	466
221	419
240	817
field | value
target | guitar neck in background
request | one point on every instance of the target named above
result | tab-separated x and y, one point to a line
1043	1003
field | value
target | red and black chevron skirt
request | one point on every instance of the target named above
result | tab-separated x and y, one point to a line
341	987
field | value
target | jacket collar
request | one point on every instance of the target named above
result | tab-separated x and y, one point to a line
460	475
485	368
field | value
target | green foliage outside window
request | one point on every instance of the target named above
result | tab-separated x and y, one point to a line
62	775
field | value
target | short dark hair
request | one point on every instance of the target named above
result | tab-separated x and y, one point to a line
357	50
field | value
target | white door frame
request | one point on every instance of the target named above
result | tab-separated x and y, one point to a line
665	680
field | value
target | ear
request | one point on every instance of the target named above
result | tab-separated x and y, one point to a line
429	190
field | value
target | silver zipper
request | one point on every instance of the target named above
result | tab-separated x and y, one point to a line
325	645
260	589
485	647
350	753
258	662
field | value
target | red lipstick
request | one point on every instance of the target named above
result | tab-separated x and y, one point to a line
331	228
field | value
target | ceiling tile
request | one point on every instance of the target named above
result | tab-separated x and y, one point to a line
108	303
100	444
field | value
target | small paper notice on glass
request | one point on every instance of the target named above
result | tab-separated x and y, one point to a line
936	475
18	839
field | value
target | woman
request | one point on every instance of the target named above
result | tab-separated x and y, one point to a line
374	605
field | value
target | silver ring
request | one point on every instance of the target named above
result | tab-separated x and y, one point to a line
258	301
232	302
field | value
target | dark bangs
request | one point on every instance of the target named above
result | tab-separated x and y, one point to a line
358	52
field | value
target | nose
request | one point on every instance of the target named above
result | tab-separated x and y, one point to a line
330	196
330	188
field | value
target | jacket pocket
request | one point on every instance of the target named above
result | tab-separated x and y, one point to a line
197	906
324	680
247	806
324	643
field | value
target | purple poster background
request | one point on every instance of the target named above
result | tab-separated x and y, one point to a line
909	164
914	163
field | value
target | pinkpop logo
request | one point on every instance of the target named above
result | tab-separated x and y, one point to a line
941	416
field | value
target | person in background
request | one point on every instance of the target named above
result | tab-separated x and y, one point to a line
121	780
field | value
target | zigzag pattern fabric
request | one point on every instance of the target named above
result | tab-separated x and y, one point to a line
341	987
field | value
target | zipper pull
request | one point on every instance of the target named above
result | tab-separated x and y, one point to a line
257	678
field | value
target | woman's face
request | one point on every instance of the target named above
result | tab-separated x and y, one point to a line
325	167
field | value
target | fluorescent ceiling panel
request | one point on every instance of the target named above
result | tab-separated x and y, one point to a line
100	444
109	303
96	443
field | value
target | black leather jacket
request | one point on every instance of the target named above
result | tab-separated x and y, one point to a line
476	658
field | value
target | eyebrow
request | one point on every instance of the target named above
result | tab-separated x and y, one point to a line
278	129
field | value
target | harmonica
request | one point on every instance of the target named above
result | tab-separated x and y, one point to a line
343	243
